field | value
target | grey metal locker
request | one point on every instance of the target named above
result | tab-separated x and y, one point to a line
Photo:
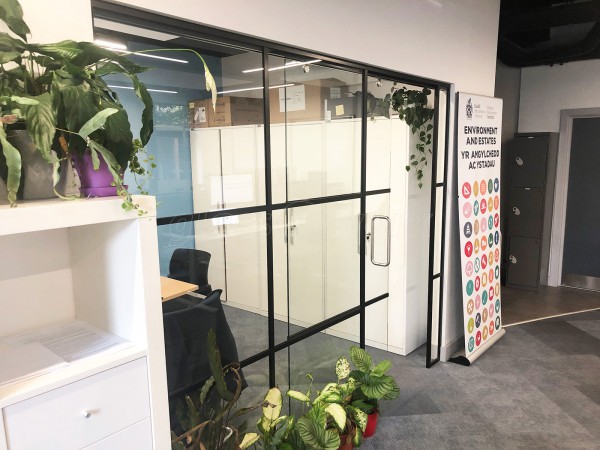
528	162
524	260
531	176
526	209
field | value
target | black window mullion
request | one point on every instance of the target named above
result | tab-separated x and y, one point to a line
363	208
269	218
432	219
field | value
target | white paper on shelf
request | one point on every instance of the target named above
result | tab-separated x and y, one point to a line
26	361
71	341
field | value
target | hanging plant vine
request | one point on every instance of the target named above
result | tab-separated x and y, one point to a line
411	106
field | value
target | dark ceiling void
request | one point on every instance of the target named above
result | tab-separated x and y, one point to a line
548	32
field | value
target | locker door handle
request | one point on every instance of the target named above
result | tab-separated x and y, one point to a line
519	161
516	211
512	259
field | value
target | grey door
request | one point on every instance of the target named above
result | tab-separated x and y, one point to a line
581	253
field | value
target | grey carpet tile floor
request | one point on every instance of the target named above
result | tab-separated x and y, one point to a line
536	388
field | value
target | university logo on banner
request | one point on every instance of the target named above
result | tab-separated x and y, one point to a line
478	146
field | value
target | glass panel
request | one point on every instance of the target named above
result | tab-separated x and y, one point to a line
377	327
320	364
280	275
246	281
170	237
323	261
315	129
383	134
435	319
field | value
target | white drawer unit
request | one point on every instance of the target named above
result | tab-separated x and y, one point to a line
138	437
81	413
92	265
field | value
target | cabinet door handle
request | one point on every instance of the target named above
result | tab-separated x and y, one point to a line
512	259
389	232
519	161
516	211
87	414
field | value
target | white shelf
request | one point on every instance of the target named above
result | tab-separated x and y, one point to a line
51	214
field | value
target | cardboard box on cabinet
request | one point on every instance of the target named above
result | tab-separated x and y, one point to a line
228	111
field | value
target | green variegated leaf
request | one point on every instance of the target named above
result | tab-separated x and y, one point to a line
381	368
24	100
361	359
316	437
95	159
96	122
13	163
41	125
271	408
298	396
249	439
12	14
210	83
338	414
381	387
358	438
342	368
360	418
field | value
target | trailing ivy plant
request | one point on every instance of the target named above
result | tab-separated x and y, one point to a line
411	106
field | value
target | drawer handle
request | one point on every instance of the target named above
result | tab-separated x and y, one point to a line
87	414
516	211
512	259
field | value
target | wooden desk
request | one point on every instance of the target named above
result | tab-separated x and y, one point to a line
170	288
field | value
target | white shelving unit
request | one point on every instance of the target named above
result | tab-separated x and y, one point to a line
88	260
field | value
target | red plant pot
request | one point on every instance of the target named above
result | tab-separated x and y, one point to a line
371	424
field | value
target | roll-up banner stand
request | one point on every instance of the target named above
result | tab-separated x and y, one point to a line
478	149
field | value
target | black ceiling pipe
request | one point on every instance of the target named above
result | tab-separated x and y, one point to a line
514	55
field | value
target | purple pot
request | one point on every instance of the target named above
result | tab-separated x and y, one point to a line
94	183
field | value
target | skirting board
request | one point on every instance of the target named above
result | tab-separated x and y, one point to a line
452	348
461	359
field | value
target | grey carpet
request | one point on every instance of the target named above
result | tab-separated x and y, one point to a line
537	388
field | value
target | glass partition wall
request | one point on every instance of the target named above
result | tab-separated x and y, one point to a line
293	190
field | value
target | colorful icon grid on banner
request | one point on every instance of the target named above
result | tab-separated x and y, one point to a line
479	131
481	278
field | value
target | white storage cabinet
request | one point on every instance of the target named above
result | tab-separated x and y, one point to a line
92	261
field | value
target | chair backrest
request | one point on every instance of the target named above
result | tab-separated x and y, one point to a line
190	265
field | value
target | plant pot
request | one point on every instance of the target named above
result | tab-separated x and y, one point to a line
346	442
36	172
94	183
371	424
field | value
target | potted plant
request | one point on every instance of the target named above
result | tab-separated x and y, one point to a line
372	385
57	94
332	421
206	416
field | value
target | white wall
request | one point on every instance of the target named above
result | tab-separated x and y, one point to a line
545	91
449	40
454	42
52	21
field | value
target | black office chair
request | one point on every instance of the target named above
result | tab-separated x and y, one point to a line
186	322
191	265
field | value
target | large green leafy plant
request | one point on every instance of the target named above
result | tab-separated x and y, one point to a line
58	93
